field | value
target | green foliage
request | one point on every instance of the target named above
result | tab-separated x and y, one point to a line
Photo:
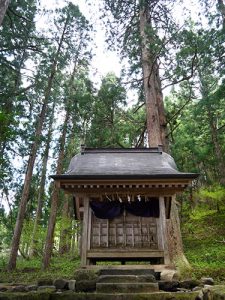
29	271
108	111
203	229
27	235
213	196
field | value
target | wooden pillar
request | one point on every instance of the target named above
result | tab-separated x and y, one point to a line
85	234
162	231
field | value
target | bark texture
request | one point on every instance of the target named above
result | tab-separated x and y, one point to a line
175	244
153	127
3	7
156	121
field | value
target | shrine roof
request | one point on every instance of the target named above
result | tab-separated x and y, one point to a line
122	163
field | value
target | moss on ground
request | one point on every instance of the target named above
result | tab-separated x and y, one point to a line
102	296
203	236
30	271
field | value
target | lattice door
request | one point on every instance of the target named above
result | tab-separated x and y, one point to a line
127	231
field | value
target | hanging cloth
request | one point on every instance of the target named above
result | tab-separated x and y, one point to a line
111	210
106	209
141	208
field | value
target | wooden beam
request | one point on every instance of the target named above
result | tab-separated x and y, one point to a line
125	181
163	230
85	226
134	191
125	254
77	203
89	228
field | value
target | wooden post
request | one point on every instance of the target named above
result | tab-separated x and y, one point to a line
89	229
84	245
162	231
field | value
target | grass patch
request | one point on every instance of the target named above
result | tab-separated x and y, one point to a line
29	271
203	235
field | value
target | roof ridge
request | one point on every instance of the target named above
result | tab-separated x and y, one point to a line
122	150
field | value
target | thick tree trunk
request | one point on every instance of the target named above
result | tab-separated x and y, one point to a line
150	91
175	244
156	124
55	199
3	7
31	161
41	191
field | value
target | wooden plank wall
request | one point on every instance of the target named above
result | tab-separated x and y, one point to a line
126	231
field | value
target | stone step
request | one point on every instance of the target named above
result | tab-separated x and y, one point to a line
136	272
101	296
127	287
126	278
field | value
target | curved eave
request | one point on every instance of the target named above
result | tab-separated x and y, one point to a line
190	176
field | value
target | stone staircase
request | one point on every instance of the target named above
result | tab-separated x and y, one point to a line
127	281
118	284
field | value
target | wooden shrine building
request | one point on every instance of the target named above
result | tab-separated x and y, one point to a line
123	197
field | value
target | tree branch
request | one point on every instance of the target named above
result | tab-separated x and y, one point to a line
140	106
19	16
221	127
141	137
184	78
180	109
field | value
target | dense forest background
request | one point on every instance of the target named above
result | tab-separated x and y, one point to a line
49	106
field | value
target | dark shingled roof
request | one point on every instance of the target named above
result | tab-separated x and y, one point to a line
123	163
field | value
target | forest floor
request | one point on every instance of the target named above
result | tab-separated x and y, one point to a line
204	243
203	235
30	271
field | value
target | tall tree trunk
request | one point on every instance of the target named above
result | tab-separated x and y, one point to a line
156	123
63	244
41	191
31	161
150	91
216	146
213	129
3	7
55	198
25	193
55	194
64	247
